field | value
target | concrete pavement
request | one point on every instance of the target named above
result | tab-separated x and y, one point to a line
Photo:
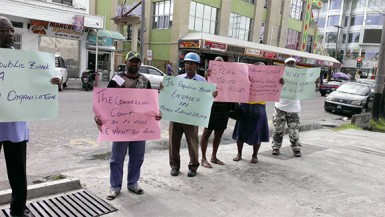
339	174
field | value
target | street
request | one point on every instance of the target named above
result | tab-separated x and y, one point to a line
70	141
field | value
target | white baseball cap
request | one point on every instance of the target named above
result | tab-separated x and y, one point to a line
290	59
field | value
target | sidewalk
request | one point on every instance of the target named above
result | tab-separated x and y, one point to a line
338	175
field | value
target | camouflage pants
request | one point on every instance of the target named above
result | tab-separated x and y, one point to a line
279	120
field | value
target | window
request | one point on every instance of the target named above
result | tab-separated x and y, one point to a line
321	22
344	38
203	18
376	3
65	2
354	37
374	19
356	20
296	9
240	27
356	4
346	21
293	39
331	37
333	20
18	41
250	1
335	4
162	18
324	6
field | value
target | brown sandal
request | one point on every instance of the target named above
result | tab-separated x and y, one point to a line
237	158
216	161
206	164
254	160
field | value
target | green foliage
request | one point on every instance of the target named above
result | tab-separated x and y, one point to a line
347	126
56	177
377	126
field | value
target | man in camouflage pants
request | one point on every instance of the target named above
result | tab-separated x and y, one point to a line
287	111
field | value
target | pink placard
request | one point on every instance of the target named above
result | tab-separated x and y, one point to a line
264	82
127	114
232	80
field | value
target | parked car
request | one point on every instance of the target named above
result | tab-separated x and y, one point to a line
330	86
61	71
370	82
150	72
350	98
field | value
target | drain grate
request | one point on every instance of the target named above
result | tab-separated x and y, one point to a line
77	204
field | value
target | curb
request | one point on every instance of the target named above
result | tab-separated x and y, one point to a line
44	189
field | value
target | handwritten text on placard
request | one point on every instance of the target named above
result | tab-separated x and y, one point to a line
127	114
232	80
186	101
299	83
264	82
25	89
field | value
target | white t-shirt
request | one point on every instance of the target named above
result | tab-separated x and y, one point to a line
288	105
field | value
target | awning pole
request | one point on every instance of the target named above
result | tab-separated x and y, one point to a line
96	52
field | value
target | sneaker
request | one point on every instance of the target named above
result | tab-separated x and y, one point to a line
136	190
174	172
275	152
297	154
112	195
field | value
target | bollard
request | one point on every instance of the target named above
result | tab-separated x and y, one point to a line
96	79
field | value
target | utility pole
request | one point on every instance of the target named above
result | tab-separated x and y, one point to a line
142	28
377	112
338	37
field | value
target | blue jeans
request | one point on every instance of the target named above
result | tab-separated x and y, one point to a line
135	160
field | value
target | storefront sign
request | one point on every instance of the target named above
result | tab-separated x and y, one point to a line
235	49
149	54
214	46
58	30
189	44
270	55
253	52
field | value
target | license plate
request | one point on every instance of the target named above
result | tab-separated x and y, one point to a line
339	107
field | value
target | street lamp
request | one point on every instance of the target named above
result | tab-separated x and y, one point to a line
338	36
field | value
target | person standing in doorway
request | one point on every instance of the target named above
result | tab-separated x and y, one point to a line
14	137
135	149
287	111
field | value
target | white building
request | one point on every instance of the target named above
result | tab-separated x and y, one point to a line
353	27
48	25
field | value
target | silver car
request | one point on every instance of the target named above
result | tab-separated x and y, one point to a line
153	74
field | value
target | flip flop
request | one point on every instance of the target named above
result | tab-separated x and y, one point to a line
206	164
136	190
217	161
237	158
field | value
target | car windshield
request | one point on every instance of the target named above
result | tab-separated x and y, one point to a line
352	88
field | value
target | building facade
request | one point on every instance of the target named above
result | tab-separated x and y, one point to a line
285	24
353	28
60	27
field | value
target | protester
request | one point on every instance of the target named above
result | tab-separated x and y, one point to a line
14	137
191	63
132	79
218	123
252	128
287	111
169	68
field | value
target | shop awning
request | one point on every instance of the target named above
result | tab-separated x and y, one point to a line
110	34
256	47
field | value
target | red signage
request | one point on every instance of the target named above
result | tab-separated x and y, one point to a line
214	46
271	55
189	44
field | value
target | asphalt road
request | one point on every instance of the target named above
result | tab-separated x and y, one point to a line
69	142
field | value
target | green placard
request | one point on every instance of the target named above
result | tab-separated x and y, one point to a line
299	83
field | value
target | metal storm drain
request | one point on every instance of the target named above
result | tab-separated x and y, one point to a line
77	204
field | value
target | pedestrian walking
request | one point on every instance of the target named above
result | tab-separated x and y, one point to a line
219	118
135	149
176	130
287	111
169	69
14	137
252	128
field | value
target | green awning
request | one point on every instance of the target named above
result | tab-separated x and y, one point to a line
110	34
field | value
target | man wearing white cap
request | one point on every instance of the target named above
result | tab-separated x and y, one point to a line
287	111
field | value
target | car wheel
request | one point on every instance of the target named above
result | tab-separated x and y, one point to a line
65	84
323	94
328	110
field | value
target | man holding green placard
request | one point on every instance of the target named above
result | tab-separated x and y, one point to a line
14	137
